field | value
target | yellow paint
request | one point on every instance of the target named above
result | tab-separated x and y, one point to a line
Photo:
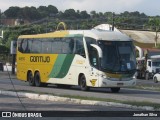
93	82
113	75
80	61
24	64
62	33
64	25
23	60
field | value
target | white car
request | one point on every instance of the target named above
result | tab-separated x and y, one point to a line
156	77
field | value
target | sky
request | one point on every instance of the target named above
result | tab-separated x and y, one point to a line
149	7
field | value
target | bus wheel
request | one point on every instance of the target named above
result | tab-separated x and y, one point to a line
83	84
37	79
30	79
115	89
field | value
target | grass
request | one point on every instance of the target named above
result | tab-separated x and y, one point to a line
145	87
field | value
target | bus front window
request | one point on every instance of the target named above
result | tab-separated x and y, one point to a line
118	56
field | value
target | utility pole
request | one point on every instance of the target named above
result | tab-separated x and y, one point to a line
13	52
113	20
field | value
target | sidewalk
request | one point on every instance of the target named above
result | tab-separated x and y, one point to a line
6	74
73	100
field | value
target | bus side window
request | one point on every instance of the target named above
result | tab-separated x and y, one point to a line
36	46
57	46
67	45
20	45
23	45
46	46
29	46
93	57
79	47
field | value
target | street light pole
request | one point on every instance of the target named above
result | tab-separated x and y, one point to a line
113	20
0	17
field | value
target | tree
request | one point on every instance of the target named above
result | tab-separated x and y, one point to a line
31	13
12	12
154	23
93	14
47	11
84	15
52	9
43	10
70	13
4	49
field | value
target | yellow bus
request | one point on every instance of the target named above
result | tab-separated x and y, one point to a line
87	58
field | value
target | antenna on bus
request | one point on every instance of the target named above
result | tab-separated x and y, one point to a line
63	24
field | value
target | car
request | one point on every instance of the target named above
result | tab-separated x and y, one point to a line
156	77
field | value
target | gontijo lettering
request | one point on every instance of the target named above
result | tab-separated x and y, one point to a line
44	59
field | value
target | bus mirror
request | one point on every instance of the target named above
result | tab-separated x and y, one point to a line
100	53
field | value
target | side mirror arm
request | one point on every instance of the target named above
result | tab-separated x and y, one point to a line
100	53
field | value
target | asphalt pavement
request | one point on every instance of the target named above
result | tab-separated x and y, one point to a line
125	94
13	103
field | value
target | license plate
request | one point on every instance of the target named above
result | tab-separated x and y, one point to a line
119	84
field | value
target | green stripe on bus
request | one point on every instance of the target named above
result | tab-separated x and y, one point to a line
57	65
65	66
61	66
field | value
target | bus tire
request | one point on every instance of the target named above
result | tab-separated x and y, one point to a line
37	79
83	84
30	79
44	84
115	89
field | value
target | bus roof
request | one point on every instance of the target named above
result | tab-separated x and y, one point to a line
94	33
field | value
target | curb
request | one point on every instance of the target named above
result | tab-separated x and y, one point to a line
72	100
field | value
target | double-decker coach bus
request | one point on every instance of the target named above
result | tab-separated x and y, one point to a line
87	58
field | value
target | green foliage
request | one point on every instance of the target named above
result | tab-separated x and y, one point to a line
158	46
50	16
84	15
30	13
12	12
125	20
4	49
70	14
154	23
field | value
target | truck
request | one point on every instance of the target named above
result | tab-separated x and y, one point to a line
148	63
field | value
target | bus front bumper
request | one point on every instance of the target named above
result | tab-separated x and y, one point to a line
104	82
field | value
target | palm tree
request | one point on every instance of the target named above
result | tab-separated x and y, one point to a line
154	23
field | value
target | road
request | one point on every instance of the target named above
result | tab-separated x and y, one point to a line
8	103
125	94
12	103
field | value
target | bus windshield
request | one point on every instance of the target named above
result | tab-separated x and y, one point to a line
118	56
